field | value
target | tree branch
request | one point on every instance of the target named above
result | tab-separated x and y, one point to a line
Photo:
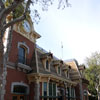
14	21
27	5
7	10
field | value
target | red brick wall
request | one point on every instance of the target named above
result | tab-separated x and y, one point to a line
13	55
40	90
77	92
14	76
85	88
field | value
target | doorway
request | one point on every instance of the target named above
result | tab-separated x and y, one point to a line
18	97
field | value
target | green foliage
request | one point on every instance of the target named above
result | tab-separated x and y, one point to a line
18	11
92	73
7	3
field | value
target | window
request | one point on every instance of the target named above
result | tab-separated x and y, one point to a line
45	89
52	89
47	64
59	70
20	89
22	55
72	92
49	91
67	74
68	93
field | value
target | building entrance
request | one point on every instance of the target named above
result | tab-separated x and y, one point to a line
18	97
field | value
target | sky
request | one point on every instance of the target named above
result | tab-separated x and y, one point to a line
77	28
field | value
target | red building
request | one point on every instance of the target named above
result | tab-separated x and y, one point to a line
34	74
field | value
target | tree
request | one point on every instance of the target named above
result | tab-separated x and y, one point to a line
12	8
92	73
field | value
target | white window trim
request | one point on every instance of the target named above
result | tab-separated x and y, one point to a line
23	44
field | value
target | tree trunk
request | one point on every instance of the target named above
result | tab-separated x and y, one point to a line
3	62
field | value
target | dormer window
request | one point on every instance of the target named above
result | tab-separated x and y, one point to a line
59	70
57	64
66	69
46	59
47	64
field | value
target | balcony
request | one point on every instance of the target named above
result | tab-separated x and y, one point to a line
24	63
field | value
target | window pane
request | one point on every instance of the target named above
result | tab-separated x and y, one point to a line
58	70
45	98
14	98
45	88
68	92
21	55
21	97
47	64
54	89
20	89
50	89
72	93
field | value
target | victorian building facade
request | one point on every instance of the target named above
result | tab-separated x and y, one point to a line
35	74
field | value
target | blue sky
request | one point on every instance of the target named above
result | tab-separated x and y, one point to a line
77	27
